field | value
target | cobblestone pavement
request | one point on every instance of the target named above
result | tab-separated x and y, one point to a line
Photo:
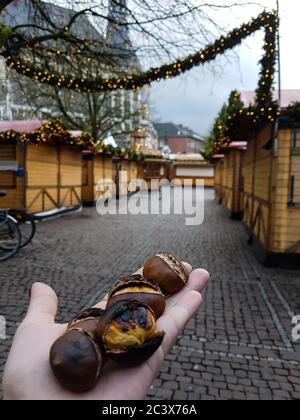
239	346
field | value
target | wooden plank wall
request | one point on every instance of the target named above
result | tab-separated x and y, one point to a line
54	176
228	181
88	184
257	179
286	220
42	178
219	167
70	176
295	172
13	186
124	180
104	168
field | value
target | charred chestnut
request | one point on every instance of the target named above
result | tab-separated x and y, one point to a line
128	334
138	288
86	320
167	271
76	360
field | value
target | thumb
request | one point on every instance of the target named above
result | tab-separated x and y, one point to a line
43	303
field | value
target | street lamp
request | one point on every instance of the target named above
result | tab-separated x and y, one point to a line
279	63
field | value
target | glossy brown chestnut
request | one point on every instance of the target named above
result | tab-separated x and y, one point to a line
142	290
76	360
167	271
128	334
86	320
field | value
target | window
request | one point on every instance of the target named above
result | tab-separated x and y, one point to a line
296	140
152	170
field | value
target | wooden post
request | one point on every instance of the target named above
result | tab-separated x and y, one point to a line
252	218
59	176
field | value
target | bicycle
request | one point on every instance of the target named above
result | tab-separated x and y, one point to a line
10	235
26	224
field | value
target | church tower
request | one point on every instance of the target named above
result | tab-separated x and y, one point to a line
117	35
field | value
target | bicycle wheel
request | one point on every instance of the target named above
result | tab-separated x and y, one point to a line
10	237
26	225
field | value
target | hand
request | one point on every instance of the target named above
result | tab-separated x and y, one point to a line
28	374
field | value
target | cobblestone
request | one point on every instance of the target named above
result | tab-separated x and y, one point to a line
238	346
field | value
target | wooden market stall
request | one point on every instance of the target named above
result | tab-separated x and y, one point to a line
40	168
153	170
97	168
192	167
229	180
271	196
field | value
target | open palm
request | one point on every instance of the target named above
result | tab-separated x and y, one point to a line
28	375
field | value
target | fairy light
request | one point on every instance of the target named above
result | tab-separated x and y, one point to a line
54	132
267	20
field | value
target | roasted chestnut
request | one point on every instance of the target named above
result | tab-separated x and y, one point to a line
86	320
167	271
138	288
76	360
128	334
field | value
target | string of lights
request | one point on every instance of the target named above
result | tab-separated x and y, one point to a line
267	20
53	132
264	109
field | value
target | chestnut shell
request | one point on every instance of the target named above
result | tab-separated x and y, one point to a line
86	320
132	355
156	301
167	271
76	360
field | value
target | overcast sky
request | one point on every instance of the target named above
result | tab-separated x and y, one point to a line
194	100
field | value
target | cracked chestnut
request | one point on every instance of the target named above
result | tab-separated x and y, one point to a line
86	320
137	287
128	333
76	360
167	271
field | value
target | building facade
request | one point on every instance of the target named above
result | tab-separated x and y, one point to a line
178	139
125	114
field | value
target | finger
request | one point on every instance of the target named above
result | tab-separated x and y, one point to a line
176	318
197	281
188	267
43	304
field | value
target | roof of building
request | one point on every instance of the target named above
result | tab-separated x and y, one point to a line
175	130
21	12
28	127
21	126
119	49
287	97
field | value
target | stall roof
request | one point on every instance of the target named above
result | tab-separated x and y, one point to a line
189	158
21	126
27	127
218	156
238	145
